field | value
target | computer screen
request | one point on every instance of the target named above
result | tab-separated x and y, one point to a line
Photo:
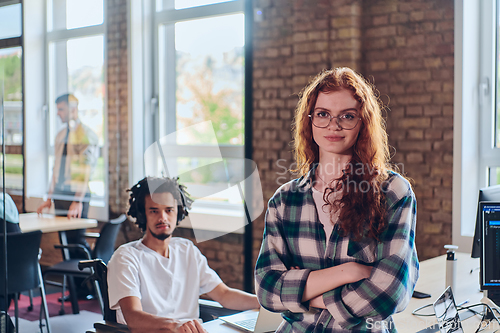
491	193
490	249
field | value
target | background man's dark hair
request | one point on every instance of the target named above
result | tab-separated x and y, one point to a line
139	191
66	98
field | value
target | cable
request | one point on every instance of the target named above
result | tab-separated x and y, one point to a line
460	308
414	312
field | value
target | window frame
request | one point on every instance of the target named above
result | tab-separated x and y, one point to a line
38	139
145	23
474	111
6	43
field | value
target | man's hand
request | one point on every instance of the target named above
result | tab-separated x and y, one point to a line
75	210
192	326
46	204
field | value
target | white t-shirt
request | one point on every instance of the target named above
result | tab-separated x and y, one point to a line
167	287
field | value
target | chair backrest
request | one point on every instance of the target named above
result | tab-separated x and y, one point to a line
101	275
22	259
105	244
11	227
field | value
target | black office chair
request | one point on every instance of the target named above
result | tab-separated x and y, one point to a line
23	269
103	249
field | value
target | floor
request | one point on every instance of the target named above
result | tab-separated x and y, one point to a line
68	323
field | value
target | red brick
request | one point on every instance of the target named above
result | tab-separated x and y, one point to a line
444	25
419	146
414	99
415	134
414	158
398	18
380	20
442	122
416	40
381	31
432	110
417	16
413	111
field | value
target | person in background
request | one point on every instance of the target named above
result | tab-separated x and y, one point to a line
12	221
338	252
11	214
154	283
75	152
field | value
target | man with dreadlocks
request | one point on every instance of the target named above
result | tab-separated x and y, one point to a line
154	283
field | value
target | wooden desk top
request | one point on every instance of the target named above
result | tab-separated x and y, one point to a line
50	223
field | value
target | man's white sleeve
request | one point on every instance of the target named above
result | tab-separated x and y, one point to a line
123	278
208	277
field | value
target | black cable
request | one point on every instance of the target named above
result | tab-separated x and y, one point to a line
468	307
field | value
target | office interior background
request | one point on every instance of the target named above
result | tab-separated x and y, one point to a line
143	69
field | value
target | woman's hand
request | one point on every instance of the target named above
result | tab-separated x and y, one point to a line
317	302
323	280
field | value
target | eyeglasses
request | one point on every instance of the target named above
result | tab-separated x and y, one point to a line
346	121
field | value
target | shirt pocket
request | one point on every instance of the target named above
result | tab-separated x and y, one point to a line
363	250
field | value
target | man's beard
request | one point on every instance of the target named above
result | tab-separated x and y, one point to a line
160	236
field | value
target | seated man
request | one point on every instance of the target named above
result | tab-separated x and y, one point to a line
154	283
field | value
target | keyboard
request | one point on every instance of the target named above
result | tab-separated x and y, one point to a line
248	324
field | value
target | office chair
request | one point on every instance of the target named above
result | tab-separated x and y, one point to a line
23	269
103	249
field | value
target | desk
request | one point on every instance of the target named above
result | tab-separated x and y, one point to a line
50	223
432	281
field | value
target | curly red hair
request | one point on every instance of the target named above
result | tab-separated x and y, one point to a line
362	212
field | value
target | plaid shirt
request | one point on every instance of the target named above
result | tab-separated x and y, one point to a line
294	236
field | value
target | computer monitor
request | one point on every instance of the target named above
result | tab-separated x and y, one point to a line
489	269
491	193
490	250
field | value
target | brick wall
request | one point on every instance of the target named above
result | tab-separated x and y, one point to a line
405	48
412	66
118	108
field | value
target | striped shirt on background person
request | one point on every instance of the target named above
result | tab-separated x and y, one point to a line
293	236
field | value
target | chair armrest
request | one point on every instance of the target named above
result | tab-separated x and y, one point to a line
109	326
75	246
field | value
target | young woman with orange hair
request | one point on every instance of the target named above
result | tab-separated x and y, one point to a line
338	252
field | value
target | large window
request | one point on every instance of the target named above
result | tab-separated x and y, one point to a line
76	65
196	109
494	169
11	95
476	131
489	94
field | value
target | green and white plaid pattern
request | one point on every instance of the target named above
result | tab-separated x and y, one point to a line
294	236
